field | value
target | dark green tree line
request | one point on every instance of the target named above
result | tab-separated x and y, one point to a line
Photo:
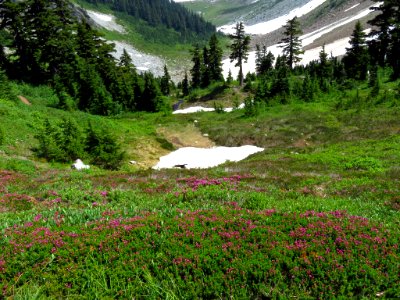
49	46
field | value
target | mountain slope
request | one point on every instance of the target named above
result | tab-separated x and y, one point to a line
162	13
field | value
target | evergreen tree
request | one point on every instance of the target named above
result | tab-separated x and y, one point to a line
324	70
205	69
291	42
264	60
229	79
103	148
280	84
185	85
239	48
308	89
150	97
262	91
356	58
165	82
93	94
197	67
215	59
383	32
71	140
48	138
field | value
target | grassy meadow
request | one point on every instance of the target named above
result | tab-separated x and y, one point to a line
314	216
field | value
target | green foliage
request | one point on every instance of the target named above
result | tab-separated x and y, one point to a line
218	108
61	142
6	90
2	136
164	14
239	49
291	42
356	59
364	163
103	149
251	107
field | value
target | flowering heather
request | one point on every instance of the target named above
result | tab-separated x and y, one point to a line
16	202
7	178
205	254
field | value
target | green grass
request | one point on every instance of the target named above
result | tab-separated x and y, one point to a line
272	225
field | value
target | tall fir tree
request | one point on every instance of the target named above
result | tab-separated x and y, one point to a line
385	33
165	83
215	59
205	69
239	48
264	60
292	48
356	58
185	85
195	72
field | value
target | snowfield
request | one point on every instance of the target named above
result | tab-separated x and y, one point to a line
274	24
205	157
105	21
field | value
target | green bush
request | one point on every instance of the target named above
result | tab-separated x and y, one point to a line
61	142
364	163
103	149
2	136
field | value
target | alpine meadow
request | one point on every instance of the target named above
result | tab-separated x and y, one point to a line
99	100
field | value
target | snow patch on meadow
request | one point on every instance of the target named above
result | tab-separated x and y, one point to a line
205	157
195	109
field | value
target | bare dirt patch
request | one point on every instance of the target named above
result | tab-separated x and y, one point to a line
24	100
188	136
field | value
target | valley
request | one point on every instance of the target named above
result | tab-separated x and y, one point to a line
200	184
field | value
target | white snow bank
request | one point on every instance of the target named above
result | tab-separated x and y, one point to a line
106	21
205	157
195	109
274	24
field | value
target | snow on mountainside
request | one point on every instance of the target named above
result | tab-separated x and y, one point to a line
323	22
142	61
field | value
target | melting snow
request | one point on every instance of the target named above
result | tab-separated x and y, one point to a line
352	7
106	21
205	157
337	48
195	109
143	62
274	24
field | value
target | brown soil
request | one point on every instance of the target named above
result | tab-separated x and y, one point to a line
24	100
189	136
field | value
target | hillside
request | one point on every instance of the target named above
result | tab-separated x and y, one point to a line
329	171
280	184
